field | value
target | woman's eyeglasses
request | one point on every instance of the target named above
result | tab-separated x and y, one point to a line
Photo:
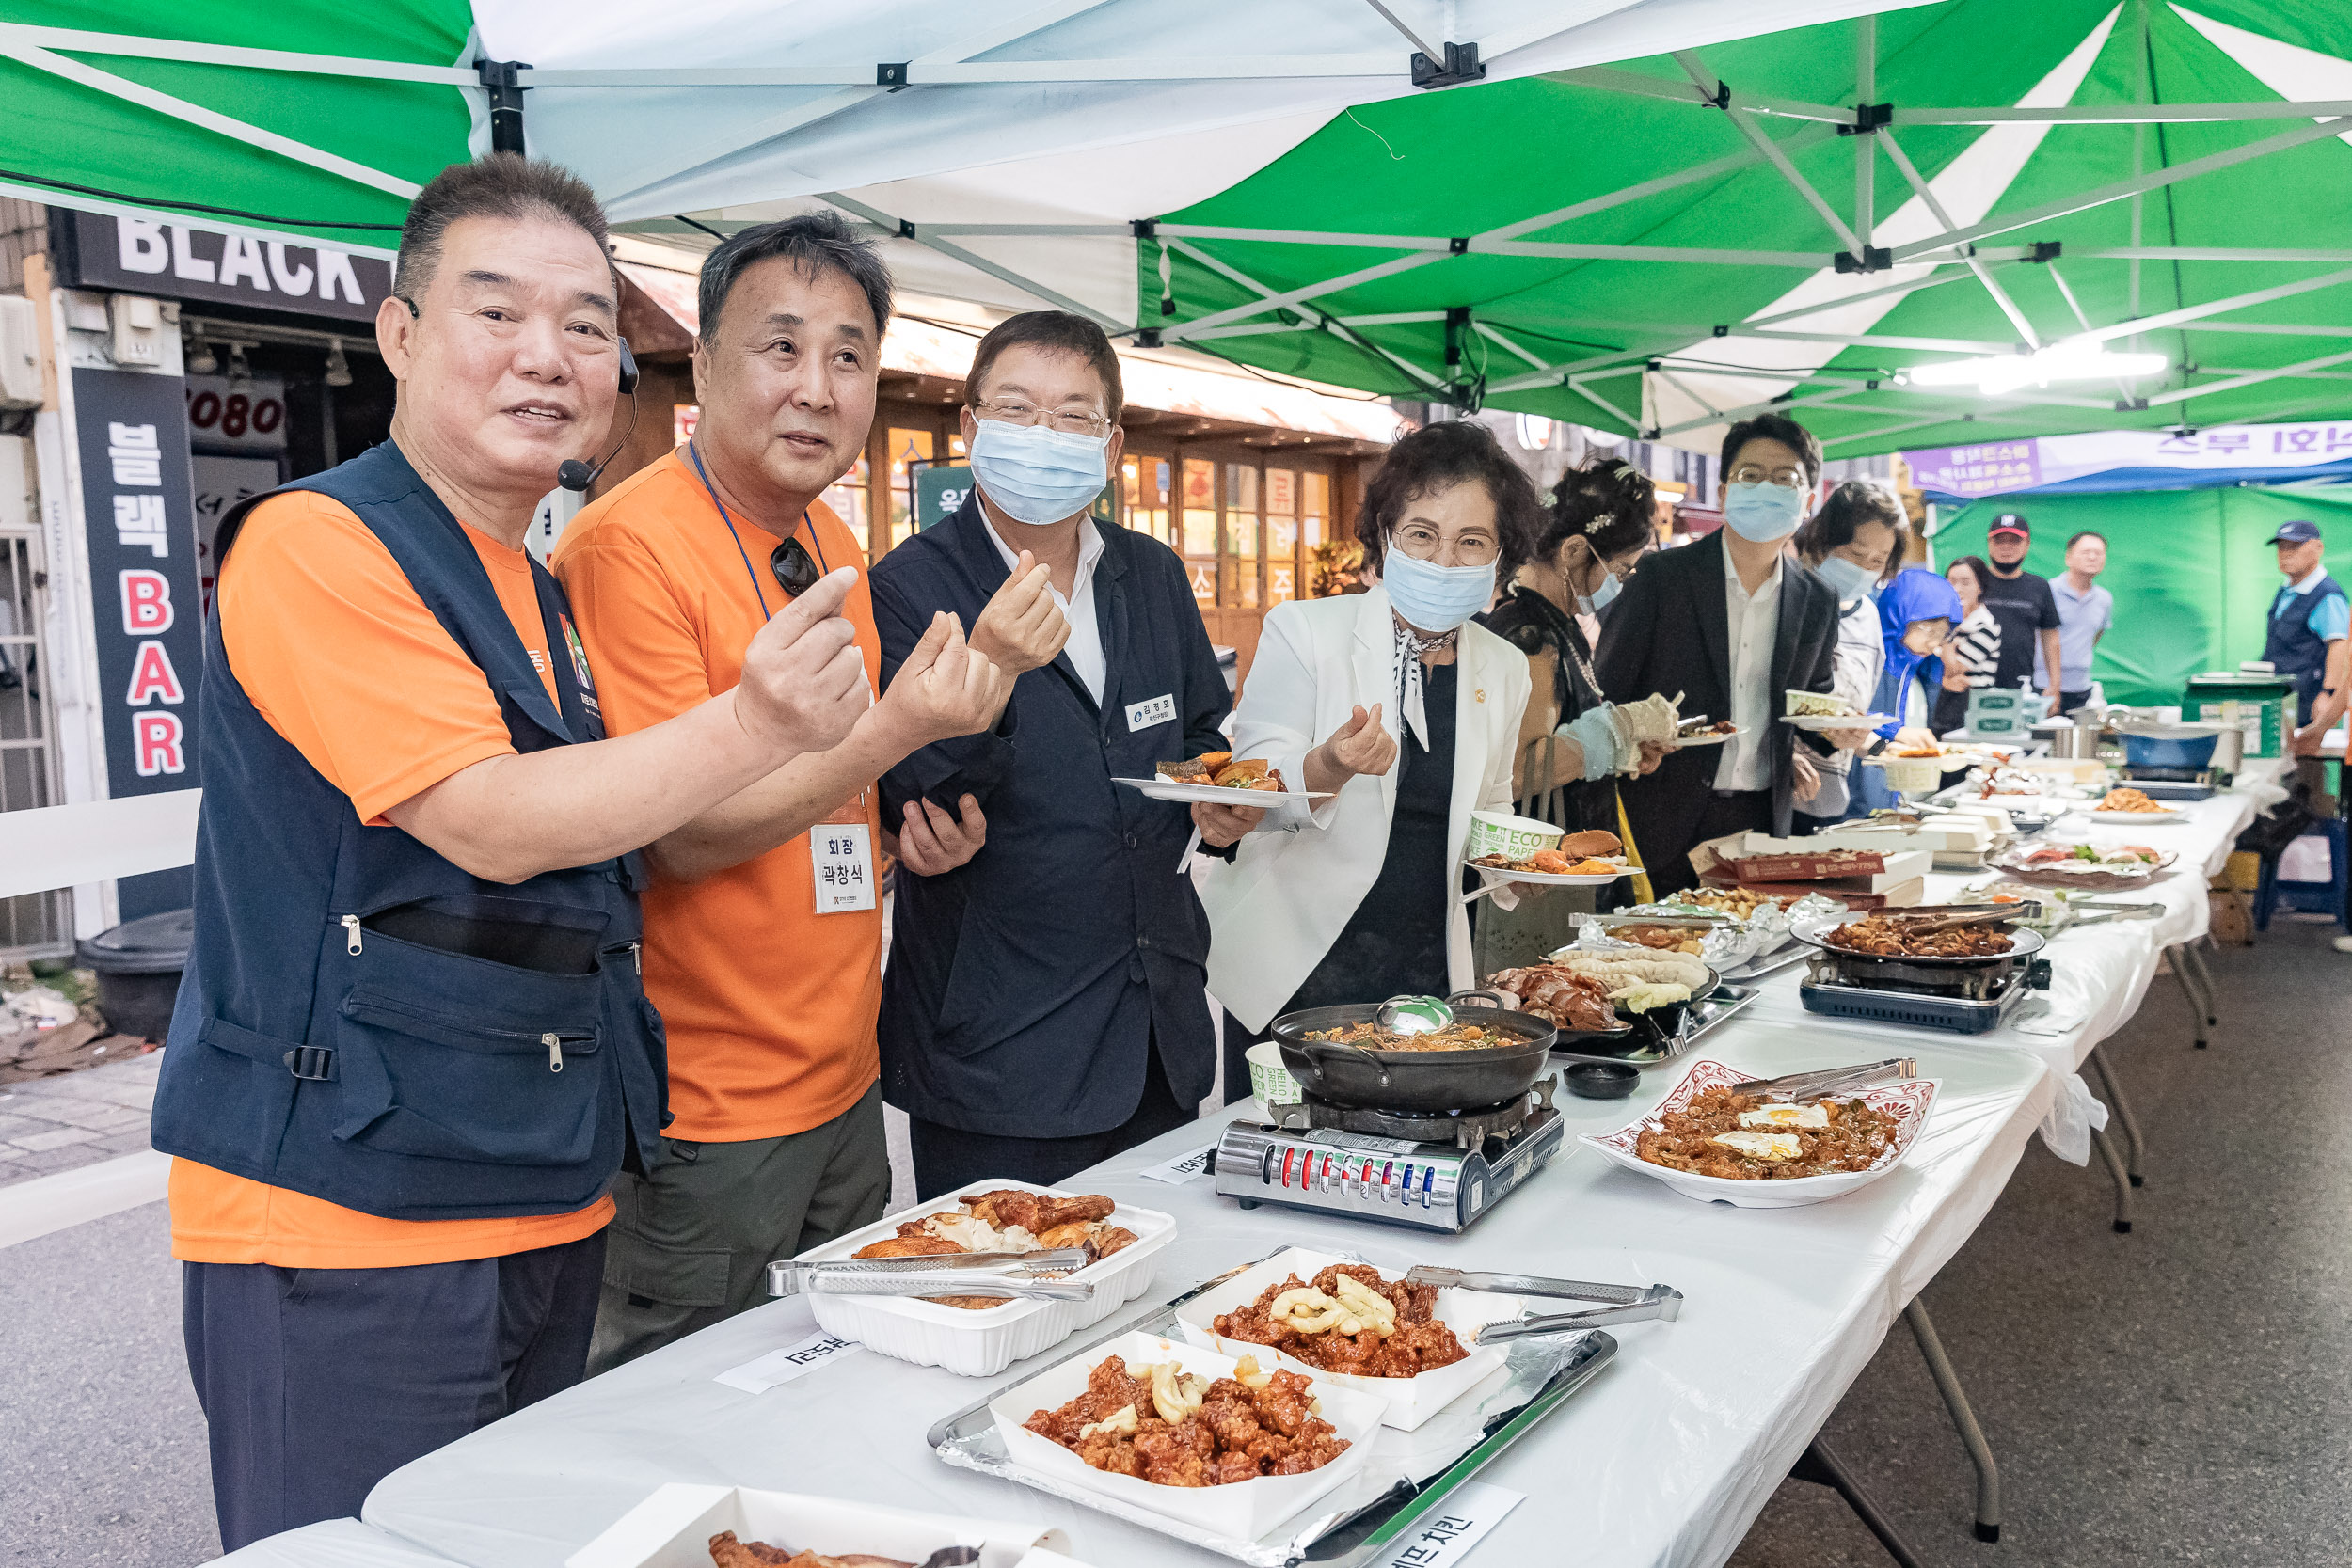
796	570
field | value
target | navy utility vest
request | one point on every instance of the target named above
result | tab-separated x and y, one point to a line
2293	648
362	1021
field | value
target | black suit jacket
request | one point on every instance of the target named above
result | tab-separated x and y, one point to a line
1671	631
1026	987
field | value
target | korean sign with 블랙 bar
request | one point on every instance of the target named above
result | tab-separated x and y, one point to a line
141	256
138	516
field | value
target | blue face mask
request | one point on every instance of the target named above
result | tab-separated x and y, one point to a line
1036	474
1435	598
1851	581
1600	598
1762	513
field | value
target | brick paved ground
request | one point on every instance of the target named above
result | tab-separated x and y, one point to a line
76	1119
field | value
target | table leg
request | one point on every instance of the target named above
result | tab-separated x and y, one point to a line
2123	1181
2123	1113
1971	1436
2195	952
2175	956
1824	1468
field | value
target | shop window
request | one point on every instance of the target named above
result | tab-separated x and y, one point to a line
910	449
1241	529
848	498
1282	535
1199	528
1143	495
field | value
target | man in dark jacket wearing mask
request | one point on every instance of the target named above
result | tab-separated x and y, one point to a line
1044	1006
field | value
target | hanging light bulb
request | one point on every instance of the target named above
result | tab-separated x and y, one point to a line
202	359
337	368
239	371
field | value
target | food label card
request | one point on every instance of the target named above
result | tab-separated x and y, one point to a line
1445	1536
1180	1169
782	1366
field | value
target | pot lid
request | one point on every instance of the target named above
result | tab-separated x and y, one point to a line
155	944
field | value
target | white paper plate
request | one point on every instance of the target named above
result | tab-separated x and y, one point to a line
1171	789
1818	721
1411	1400
1689	741
981	1342
1493	874
1240	1511
2152	819
1907	1103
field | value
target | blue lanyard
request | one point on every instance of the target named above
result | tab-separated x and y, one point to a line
748	570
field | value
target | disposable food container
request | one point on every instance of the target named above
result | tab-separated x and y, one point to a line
672	1529
1501	832
1906	1103
1410	1401
984	1342
1239	1511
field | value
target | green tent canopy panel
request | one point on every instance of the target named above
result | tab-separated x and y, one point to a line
1415	246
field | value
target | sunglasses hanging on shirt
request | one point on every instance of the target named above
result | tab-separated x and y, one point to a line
796	570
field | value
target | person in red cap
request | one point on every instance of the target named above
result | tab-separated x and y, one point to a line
2021	602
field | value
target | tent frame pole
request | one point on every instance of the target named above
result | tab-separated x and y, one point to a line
208	119
973	260
1910	172
1744	122
1341	330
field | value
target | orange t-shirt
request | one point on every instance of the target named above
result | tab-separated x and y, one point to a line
769	1005
340	655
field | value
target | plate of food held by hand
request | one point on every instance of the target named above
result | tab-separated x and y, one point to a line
1218	779
1823	710
1703	731
1710	1144
1579	860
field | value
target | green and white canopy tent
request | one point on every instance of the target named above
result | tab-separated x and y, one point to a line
1796	204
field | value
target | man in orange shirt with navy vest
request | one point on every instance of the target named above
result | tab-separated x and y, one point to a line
411	1048
763	922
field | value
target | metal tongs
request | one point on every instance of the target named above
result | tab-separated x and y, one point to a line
1013	1275
1675	922
1628	1304
1833	1080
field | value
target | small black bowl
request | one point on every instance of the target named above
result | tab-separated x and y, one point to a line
1602	1080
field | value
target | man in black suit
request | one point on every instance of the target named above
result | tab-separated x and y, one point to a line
1046	1006
1730	622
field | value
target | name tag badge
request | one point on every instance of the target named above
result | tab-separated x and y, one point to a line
842	857
1159	710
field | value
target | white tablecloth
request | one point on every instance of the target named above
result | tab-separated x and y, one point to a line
1665	1458
335	1543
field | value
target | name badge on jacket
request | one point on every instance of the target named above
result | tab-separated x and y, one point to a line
1159	710
841	856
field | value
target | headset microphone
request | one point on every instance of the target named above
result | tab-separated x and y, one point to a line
572	474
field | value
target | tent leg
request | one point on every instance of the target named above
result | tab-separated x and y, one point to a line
2122	1114
1971	1434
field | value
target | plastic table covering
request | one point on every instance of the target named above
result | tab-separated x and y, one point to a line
2099	973
1665	1458
332	1544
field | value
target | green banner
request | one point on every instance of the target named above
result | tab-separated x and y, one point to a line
2192	571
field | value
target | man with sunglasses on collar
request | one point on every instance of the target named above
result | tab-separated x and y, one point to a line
763	922
1045	1006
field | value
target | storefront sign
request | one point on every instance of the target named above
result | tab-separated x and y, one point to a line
221	483
139	519
141	256
939	492
237	415
2135	460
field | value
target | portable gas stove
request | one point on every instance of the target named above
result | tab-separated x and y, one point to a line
1434	1170
1966	1000
2171	784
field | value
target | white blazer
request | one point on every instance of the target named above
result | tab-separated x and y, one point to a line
1274	910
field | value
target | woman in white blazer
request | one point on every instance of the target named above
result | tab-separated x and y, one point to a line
1405	709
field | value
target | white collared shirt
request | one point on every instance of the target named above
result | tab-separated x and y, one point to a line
1754	623
1085	646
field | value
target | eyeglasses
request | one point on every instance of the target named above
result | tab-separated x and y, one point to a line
796	570
1752	473
1070	421
1422	544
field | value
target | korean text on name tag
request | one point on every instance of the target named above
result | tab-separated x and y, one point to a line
1445	1536
1183	1168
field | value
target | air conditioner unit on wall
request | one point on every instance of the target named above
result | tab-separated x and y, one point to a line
20	353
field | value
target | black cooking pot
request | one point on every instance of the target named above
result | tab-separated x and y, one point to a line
1416	1079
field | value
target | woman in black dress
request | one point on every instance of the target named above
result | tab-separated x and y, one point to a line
1597	527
